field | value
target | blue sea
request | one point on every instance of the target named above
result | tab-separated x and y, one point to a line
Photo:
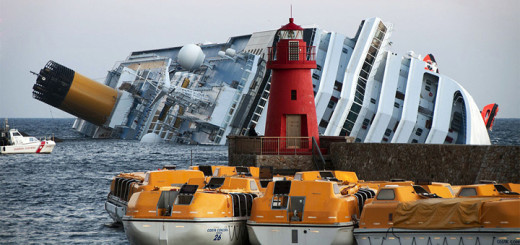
59	198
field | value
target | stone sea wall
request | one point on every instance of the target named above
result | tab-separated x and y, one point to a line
456	164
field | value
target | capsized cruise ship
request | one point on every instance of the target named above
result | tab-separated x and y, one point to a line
199	94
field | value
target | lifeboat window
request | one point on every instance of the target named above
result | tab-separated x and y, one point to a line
16	134
280	194
253	186
336	188
386	194
466	192
298	176
280	202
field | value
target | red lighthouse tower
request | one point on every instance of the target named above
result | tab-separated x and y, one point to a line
291	112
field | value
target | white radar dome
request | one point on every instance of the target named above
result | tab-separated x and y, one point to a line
190	57
151	138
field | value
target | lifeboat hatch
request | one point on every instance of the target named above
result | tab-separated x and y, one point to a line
206	169
328	175
243	171
266	175
185	195
165	203
296	206
215	183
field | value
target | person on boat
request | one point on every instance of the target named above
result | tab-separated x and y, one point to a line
252	131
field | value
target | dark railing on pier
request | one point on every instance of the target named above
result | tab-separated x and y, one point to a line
317	157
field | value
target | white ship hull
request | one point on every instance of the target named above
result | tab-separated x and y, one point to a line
475	236
45	147
300	234
168	232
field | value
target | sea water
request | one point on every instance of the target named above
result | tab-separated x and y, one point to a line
59	198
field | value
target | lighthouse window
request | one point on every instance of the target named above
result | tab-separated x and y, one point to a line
293	94
293	51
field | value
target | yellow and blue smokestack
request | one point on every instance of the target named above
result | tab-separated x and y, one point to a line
74	93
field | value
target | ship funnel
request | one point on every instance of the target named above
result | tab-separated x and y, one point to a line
74	93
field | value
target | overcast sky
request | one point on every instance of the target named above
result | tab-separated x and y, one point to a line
474	42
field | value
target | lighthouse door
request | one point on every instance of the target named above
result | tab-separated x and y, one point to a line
293	130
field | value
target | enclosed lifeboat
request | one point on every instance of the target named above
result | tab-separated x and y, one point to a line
402	215
306	211
126	184
195	213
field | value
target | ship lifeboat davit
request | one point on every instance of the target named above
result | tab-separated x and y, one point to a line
488	114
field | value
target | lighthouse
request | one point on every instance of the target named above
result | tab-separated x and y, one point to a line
291	113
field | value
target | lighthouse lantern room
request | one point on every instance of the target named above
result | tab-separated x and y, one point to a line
292	113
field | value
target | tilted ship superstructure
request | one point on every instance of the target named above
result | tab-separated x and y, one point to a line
202	93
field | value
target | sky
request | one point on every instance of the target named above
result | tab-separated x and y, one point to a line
473	41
